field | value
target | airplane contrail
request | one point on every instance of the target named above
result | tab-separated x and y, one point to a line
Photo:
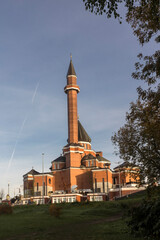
21	128
35	92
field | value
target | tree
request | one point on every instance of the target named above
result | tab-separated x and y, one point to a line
138	141
143	15
1	194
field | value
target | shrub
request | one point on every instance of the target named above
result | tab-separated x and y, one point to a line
5	209
145	219
55	210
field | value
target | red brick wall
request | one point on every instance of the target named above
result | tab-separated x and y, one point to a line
82	178
104	173
72	116
71	80
61	180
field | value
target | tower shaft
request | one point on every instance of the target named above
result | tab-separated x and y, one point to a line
71	90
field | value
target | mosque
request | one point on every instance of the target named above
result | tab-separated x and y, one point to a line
79	173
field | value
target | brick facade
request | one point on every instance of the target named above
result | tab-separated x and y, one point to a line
79	167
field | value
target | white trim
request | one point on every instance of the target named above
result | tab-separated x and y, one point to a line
88	150
73	88
28	179
126	171
96	194
125	189
101	169
102	161
71	76
73	147
48	174
65	194
73	152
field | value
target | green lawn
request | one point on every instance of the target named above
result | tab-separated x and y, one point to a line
103	220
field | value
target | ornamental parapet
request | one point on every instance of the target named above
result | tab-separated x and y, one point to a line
72	87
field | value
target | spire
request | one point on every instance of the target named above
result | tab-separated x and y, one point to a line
71	70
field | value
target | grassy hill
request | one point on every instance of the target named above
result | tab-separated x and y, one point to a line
96	220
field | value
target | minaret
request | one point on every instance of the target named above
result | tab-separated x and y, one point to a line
71	89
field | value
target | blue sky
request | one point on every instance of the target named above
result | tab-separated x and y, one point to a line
36	39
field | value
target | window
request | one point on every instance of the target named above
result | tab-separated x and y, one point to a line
92	162
98	198
88	163
49	181
70	200
73	199
95	184
43	188
37	187
114	180
55	166
103	185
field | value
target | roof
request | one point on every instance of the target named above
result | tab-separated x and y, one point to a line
31	172
71	70
125	164
82	134
60	159
88	157
102	159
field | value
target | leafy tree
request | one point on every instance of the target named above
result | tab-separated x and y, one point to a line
145	219
138	141
2	194
143	15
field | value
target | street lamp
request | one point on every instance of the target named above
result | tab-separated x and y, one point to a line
119	180
42	178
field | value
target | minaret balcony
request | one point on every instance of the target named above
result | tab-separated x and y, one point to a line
71	87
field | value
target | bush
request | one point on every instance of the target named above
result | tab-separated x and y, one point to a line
55	210
145	219
5	209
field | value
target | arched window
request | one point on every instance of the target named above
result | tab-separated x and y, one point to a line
49	181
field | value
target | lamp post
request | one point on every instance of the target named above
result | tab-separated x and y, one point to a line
107	184
119	180
42	178
119	184
8	189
